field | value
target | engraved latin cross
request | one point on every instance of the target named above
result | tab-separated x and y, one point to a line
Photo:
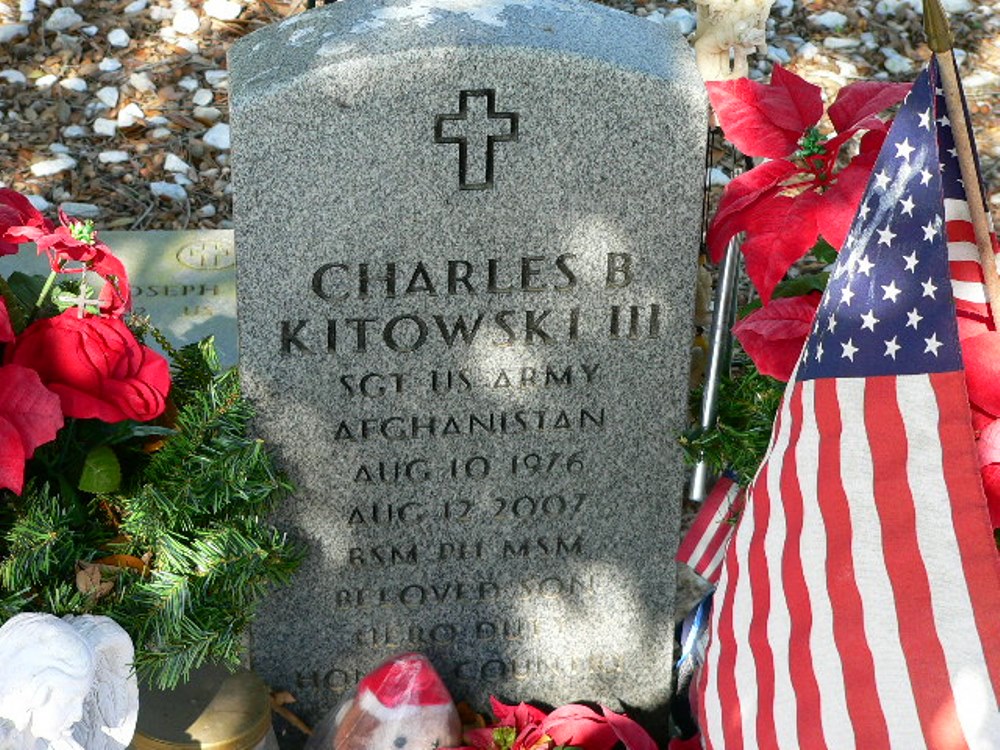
476	127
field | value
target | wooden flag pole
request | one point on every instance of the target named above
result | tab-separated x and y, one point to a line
941	42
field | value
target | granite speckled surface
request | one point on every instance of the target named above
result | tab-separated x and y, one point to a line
476	389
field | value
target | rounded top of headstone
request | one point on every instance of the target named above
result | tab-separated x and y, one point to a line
345	31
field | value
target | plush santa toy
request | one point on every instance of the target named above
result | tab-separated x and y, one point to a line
402	705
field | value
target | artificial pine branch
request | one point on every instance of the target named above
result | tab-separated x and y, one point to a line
182	551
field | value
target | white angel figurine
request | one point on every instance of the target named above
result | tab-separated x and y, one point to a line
729	29
66	684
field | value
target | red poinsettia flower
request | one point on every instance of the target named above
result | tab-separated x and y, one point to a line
786	205
18	220
524	727
29	417
6	328
773	335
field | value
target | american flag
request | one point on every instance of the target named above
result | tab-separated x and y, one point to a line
859	603
704	545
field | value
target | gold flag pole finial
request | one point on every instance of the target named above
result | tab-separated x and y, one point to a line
936	27
941	41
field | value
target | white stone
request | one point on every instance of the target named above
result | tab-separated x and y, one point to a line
217	78
188	83
182	179
980	79
46	82
109	65
206	114
58	148
159	134
188	44
66	683
174	163
202	97
218	136
80	210
108	95
840	42
39	202
13	76
186	22
74	84
206	212
119	38
808	51
778	55
12	31
112	157
157	120
957	6
784	7
74	131
105	127
895	62
61	19
222	10
90	30
53	166
159	13
830	19
168	190
136	6
142	82
129	114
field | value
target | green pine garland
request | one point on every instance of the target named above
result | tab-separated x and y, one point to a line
184	547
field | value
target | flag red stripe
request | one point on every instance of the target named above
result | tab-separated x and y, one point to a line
731	719
807	694
760	592
961	231
864	705
911	588
704	565
963	270
705	523
980	562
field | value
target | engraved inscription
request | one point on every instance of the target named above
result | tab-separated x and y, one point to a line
468	127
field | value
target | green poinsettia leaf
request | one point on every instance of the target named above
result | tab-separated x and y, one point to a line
824	252
26	288
101	471
813	282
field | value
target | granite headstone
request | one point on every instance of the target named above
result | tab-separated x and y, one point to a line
467	236
185	281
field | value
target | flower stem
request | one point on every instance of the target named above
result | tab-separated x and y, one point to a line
44	293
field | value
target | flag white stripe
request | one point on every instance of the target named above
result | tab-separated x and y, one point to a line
963	251
779	626
827	666
718	518
938	545
956	209
711	696
969	291
711	570
746	661
881	626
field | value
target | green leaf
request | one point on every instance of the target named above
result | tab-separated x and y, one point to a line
16	309
26	288
813	282
824	252
101	471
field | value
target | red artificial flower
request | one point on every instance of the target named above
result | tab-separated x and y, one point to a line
29	417
571	725
6	329
773	335
18	219
787	204
96	367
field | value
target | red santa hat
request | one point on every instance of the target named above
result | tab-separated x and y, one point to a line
403	684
